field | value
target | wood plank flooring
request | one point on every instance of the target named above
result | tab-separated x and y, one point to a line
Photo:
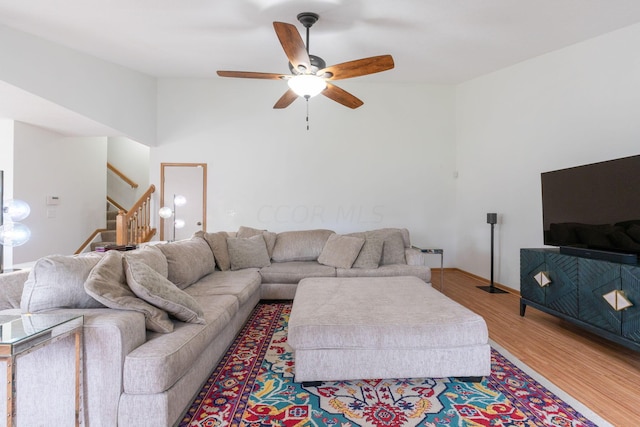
602	375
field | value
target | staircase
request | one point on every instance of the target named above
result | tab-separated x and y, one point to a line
108	236
123	226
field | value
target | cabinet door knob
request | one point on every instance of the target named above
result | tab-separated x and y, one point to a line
617	300
543	279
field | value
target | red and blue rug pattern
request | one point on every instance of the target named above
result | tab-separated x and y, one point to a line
253	387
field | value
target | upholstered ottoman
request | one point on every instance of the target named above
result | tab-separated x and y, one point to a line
383	327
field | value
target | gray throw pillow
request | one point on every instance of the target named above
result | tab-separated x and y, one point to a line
218	244
248	252
188	260
370	254
393	247
57	281
341	251
152	256
150	286
107	283
269	236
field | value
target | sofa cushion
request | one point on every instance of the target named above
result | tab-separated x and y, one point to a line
107	283
305	245
188	260
250	252
269	236
157	290
218	244
160	362
294	271
341	251
393	247
242	284
370	254
57	281
152	256
391	270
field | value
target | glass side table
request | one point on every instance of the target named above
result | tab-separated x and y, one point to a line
22	334
435	252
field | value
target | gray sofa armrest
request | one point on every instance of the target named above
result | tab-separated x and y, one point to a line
415	256
109	335
11	285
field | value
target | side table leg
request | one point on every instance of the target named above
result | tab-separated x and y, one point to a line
79	375
10	391
441	272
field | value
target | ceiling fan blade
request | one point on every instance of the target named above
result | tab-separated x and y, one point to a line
286	99
359	67
252	75
341	96
292	44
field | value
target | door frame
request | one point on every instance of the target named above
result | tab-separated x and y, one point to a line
204	191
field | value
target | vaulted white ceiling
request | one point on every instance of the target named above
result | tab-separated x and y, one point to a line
432	41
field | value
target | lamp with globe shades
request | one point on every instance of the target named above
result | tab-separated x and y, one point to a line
12	232
166	212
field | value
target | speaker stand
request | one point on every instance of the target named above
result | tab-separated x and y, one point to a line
492	289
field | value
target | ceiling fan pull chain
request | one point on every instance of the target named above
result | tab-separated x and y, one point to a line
307	98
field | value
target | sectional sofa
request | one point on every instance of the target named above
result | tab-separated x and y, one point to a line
158	319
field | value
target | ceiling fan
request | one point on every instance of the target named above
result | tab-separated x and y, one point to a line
310	75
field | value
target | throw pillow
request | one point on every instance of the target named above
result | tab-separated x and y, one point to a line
248	252
152	256
370	255
340	251
107	283
393	247
188	260
269	237
57	281
155	289
218	244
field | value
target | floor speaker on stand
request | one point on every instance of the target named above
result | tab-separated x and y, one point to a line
492	218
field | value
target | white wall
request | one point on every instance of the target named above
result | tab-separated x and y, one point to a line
132	159
574	106
388	163
74	169
110	94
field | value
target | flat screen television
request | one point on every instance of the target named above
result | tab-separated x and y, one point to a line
594	210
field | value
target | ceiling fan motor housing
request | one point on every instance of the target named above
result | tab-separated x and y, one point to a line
317	64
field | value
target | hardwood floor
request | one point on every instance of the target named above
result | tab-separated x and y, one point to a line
602	375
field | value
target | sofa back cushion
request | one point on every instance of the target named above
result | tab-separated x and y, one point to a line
305	245
57	281
188	260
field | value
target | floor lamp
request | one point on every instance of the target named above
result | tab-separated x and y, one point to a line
492	218
12	233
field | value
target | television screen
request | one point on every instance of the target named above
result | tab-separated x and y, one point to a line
595	206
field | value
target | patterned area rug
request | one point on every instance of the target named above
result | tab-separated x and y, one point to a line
253	387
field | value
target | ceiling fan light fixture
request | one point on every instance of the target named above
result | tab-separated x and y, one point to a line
307	85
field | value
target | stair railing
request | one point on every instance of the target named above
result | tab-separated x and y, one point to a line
121	175
134	226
